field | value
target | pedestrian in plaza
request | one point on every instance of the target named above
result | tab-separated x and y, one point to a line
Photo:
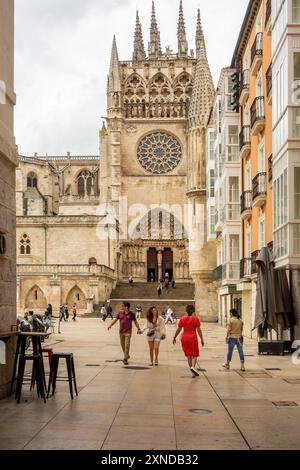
156	333
234	338
130	280
169	316
139	311
126	318
74	312
109	311
103	312
67	312
173	283
159	290
62	315
190	324
48	312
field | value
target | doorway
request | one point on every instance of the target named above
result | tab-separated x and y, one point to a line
167	263
152	265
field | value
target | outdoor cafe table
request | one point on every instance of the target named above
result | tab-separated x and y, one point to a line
36	338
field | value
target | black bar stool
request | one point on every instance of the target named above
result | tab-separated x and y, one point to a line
70	369
39	376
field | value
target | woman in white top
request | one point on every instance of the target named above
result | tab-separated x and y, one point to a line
156	333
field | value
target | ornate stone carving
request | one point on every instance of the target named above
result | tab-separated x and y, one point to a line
159	153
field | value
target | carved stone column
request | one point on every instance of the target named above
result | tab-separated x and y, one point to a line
159	263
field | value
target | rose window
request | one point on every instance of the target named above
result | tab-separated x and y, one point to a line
159	153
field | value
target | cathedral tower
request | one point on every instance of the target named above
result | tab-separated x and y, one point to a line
150	151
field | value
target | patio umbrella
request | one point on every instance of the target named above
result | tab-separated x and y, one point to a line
273	301
265	312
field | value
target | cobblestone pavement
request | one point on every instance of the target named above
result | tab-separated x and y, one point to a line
158	408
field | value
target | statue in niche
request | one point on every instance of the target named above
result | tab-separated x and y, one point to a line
147	110
159	110
178	109
153	110
134	111
141	110
171	110
116	100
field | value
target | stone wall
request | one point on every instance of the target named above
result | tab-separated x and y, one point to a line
8	163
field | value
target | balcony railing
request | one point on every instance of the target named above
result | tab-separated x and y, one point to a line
257	114
254	256
246	202
245	268
269	83
270	168
245	137
244	86
260	186
245	80
257	48
217	274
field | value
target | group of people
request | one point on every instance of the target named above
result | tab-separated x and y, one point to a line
190	327
64	312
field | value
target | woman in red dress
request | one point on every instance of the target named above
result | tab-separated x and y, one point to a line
190	326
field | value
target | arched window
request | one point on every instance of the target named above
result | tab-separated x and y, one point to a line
86	184
25	245
32	180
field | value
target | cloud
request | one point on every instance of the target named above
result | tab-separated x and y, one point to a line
63	53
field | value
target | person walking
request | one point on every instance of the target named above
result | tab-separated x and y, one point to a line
156	333
234	338
159	291
190	325
130	280
74	312
173	282
49	310
139	311
67	312
62	315
126	318
169	316
103	312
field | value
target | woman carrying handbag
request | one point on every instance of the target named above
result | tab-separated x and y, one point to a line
156	333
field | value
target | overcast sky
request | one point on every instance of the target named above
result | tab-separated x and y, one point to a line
63	53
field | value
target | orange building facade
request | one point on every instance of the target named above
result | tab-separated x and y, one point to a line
252	58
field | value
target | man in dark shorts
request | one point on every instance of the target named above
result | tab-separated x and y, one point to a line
126	318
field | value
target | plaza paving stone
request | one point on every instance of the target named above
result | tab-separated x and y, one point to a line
119	408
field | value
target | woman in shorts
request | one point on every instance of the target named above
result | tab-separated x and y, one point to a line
156	333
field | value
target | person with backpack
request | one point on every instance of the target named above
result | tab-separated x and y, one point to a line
74	311
234	338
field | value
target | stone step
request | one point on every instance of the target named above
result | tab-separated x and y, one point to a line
149	291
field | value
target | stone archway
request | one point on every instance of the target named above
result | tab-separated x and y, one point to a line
76	296
35	299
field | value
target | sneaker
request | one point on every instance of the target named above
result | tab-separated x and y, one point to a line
243	368
194	372
125	362
156	363
226	366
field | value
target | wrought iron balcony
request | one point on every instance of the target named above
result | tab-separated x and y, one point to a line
258	119
269	84
260	189
245	268
217	274
246	205
245	141
257	53
254	256
245	86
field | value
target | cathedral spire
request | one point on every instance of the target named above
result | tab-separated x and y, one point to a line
203	88
182	42
139	48
154	44
114	80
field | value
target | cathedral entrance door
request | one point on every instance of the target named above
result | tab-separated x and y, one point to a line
152	265
167	262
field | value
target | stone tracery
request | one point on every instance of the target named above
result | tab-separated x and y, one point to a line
159	153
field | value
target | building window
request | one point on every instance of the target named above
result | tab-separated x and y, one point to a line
233	144
32	180
281	215
234	198
86	184
262	234
234	241
297	193
211	145
212	220
25	245
212	184
296	11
